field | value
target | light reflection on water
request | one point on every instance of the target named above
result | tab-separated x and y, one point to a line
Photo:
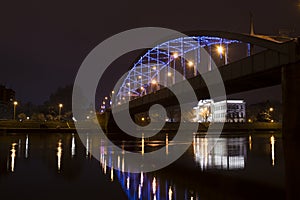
58	154
73	147
231	154
228	154
272	141
13	157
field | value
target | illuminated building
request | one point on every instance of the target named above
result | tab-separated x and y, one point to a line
221	111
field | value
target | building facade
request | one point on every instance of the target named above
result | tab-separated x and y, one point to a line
221	111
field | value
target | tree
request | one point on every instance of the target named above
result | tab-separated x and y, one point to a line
49	117
205	113
22	116
38	117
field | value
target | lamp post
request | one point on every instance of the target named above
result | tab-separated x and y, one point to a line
175	56
59	110
111	97
15	105
271	109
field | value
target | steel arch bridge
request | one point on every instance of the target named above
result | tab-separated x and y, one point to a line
145	75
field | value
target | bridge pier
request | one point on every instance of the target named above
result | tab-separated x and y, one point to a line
291	125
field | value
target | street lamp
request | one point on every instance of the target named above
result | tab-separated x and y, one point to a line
175	55
271	109
154	82
221	50
59	111
154	85
111	96
190	64
15	105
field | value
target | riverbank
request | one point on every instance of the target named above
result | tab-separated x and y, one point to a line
228	127
11	126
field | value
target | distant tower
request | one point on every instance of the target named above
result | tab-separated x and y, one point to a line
251	46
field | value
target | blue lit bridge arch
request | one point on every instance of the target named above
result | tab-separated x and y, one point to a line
146	74
145	77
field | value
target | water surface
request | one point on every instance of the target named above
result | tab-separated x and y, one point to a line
58	166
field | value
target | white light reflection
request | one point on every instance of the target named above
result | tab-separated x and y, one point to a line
143	144
118	162
140	191
272	141
73	147
13	157
227	154
167	144
154	185
87	146
59	154
170	193
26	146
127	182
142	179
250	142
112	173
19	148
105	167
123	165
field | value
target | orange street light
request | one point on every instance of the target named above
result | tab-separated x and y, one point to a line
175	55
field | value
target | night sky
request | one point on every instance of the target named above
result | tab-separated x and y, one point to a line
43	43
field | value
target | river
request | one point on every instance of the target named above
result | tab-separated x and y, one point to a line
58	166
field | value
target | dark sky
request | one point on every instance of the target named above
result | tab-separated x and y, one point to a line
42	43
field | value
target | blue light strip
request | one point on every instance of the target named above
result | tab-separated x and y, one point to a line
156	59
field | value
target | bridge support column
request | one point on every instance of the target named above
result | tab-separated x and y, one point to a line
291	128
